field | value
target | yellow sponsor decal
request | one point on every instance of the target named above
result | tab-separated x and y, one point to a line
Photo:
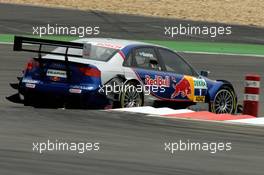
199	98
190	80
195	83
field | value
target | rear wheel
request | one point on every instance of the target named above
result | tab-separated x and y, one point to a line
224	101
130	97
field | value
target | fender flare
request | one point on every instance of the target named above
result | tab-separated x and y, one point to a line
223	83
120	80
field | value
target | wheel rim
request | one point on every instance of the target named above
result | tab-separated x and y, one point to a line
223	102
132	98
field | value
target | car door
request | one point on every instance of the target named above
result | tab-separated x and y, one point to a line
185	85
146	65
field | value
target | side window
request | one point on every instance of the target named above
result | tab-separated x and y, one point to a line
146	58
175	63
128	61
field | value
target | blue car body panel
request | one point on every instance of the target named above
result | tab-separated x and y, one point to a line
213	87
89	86
85	88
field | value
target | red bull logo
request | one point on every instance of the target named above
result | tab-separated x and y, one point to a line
157	81
182	88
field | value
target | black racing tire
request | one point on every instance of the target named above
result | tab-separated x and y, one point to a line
39	101
29	100
130	97
225	101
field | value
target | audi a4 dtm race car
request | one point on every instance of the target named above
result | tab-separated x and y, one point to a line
85	73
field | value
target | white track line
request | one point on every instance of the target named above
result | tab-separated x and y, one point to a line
153	111
254	121
158	112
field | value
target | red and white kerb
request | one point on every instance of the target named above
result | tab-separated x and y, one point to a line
251	95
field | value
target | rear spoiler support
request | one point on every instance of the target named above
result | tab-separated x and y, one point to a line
19	41
67	63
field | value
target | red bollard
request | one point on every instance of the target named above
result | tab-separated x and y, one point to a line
251	95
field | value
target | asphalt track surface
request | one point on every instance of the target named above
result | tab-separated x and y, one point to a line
129	144
20	20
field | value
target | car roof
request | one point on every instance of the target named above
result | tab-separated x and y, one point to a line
116	42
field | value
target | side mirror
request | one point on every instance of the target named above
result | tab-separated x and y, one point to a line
204	73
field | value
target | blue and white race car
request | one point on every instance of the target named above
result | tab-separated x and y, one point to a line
101	73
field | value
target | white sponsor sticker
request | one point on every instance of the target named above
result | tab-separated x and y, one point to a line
56	73
82	87
253	84
251	97
30	81
29	85
108	45
145	54
199	84
75	91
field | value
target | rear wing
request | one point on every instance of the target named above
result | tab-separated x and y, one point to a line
20	41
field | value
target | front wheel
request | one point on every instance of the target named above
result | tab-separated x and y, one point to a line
224	101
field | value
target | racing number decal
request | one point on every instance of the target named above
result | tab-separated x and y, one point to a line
200	89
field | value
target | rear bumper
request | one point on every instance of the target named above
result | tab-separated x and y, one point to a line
76	96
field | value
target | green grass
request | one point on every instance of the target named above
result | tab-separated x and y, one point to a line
10	38
212	47
184	46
